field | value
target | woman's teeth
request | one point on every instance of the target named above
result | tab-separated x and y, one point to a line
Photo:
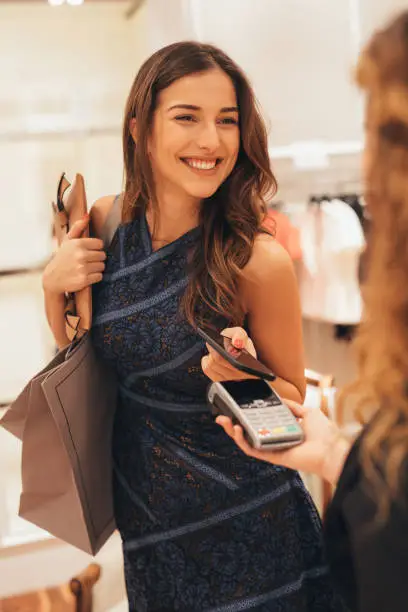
201	164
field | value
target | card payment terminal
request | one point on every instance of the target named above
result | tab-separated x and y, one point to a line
267	422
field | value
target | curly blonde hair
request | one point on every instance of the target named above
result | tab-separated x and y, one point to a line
382	342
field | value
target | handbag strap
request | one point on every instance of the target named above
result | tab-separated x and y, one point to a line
112	221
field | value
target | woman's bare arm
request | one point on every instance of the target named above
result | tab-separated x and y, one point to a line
272	301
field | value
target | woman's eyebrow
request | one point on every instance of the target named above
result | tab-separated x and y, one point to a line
225	109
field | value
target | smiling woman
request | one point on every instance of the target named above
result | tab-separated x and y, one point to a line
194	148
203	526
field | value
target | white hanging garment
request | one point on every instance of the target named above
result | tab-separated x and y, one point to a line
332	239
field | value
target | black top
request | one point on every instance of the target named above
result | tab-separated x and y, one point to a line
369	560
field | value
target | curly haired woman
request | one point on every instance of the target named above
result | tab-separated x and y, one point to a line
366	525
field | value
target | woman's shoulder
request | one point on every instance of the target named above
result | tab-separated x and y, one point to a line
268	259
269	267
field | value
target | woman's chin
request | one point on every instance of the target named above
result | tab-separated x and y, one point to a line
201	192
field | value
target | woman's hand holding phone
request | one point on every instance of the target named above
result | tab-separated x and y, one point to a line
216	367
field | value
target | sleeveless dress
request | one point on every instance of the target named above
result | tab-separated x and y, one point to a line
204	527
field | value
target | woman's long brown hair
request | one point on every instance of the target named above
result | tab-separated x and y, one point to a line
232	217
382	343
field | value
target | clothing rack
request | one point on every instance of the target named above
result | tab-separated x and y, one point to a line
345	332
353	199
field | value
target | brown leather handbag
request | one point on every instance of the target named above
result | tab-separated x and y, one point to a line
71	206
64	417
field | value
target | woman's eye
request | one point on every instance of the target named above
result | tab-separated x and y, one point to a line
193	119
185	118
229	121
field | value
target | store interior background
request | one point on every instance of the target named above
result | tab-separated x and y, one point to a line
65	74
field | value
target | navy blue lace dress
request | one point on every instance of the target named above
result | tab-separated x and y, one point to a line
204	527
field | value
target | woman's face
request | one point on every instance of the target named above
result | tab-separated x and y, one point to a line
195	140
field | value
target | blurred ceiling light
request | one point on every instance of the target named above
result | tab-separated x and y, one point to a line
61	2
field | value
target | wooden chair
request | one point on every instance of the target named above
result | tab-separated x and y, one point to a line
325	384
75	596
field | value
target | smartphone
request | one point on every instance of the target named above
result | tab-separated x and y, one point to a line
268	423
238	358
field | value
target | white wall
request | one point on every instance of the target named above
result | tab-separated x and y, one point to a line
169	22
66	71
65	74
376	13
74	61
297	54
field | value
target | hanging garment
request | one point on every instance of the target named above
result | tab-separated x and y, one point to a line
285	232
332	240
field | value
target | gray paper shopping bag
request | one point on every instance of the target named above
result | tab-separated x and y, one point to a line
16	415
66	457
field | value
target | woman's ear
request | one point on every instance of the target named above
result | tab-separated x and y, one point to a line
133	129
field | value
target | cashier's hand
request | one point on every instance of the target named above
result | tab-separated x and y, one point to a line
216	367
323	452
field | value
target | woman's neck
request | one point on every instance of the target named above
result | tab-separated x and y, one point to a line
176	217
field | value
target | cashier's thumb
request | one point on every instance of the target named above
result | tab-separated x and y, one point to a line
78	228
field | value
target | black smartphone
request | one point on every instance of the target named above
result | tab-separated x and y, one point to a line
238	358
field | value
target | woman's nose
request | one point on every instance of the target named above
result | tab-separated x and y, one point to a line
209	138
